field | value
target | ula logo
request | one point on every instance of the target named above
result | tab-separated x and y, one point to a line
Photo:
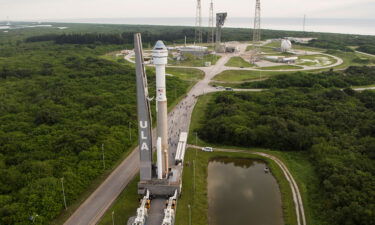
144	125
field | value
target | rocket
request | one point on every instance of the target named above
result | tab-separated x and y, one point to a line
160	59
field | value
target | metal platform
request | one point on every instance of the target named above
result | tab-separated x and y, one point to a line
163	188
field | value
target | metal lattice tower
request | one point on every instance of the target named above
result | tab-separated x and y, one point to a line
256	31
198	23
211	31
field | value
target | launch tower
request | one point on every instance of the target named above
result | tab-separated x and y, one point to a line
256	34
198	23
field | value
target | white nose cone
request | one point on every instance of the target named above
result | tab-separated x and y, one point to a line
160	54
160	46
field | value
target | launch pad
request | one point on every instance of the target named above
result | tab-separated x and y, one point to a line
164	187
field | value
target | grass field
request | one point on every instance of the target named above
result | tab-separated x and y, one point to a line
195	62
265	50
349	59
274	44
282	67
124	207
238	62
304	173
244	75
308	48
186	73
316	60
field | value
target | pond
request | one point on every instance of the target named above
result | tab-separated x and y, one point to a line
241	192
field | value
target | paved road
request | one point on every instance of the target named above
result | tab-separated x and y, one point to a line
300	212
96	205
363	89
364	53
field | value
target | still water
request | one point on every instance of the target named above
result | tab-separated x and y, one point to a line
241	193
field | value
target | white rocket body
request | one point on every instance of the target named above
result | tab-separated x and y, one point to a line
160	59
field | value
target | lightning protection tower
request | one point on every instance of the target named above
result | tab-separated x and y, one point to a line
256	31
211	31
198	23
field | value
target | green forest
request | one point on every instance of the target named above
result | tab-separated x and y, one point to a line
344	43
352	76
336	128
58	105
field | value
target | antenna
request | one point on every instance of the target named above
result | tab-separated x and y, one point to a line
198	23
211	31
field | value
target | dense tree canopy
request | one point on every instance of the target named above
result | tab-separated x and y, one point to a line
344	42
336	127
367	48
58	105
330	44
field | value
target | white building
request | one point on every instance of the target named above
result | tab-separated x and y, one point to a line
286	45
282	59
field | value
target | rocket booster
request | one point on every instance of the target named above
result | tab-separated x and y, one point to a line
160	59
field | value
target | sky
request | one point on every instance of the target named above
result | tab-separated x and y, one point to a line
39	10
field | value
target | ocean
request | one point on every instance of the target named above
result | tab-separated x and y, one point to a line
346	26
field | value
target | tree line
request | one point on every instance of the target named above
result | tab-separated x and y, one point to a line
177	35
108	38
352	76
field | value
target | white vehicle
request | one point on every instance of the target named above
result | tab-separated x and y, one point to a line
181	147
207	149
